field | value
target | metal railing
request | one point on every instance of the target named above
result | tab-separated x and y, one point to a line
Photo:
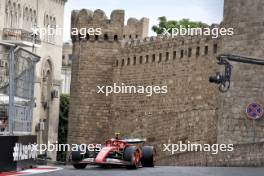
16	89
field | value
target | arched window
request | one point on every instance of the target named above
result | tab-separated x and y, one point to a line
13	16
50	21
26	15
45	20
19	15
34	17
30	17
54	22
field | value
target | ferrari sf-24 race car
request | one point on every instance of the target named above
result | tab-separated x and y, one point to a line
130	153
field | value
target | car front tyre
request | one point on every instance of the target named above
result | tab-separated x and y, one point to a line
80	166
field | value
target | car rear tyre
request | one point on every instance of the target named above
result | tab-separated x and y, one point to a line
132	155
148	156
76	156
80	166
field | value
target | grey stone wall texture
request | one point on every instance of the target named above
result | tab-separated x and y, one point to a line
193	109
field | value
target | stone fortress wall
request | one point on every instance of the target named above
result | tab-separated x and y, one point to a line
188	111
192	110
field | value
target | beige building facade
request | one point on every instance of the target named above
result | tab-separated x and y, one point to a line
66	68
18	17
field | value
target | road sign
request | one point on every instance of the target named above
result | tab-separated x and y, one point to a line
254	111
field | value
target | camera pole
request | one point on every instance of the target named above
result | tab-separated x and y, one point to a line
11	91
223	80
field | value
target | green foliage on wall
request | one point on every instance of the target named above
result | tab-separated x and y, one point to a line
63	125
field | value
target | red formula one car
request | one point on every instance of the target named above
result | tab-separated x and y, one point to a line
130	153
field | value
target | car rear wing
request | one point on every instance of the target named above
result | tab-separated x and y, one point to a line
134	141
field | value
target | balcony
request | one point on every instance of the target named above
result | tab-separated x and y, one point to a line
20	37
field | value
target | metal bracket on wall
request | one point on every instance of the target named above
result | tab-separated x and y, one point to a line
224	79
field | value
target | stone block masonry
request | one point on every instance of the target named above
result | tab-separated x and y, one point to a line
192	110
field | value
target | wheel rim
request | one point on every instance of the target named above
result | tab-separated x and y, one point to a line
136	158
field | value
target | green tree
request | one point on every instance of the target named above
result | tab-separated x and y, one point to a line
168	25
63	125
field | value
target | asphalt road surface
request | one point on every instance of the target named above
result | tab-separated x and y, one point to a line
159	171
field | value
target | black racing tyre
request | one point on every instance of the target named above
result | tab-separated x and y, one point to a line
80	166
79	155
148	156
76	156
132	154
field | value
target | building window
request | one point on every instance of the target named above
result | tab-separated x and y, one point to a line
167	56
117	63
190	52
197	51
123	62
174	54
215	48
105	37
182	53
160	57
147	58
140	59
135	60
153	58
205	50
128	61
115	38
